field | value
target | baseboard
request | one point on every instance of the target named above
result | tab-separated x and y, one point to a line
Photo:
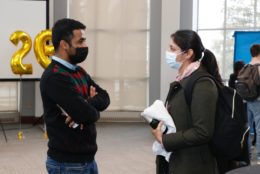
120	116
31	120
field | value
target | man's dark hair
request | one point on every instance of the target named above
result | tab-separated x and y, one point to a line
255	50
63	30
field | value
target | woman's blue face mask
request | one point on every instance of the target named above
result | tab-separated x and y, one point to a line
171	59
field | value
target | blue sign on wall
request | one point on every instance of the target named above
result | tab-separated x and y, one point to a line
243	41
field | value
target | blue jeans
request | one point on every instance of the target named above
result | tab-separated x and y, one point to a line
55	167
253	113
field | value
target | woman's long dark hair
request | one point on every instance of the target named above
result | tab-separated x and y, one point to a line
188	39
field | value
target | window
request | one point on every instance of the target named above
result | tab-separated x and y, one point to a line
118	39
8	96
217	21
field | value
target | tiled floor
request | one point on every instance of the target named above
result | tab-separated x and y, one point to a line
124	148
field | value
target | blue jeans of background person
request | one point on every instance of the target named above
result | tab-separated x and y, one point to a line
253	112
55	167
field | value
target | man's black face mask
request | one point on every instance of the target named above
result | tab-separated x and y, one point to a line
80	55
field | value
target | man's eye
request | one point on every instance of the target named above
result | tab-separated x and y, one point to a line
81	41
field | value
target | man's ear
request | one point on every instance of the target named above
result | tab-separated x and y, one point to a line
64	45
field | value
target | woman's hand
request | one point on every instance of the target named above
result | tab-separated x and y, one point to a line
157	133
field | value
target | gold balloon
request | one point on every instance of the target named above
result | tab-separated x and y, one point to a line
16	61
20	135
41	49
45	135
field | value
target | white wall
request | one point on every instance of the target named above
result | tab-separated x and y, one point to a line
20	16
169	24
38	101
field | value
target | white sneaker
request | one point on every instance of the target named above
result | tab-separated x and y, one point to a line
258	161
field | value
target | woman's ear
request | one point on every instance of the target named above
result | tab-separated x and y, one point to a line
189	54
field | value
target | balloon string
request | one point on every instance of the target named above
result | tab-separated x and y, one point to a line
20	133
20	117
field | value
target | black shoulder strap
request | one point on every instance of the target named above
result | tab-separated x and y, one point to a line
174	87
258	64
189	87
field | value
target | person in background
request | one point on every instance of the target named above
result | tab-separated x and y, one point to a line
244	156
253	107
231	83
70	96
233	77
190	144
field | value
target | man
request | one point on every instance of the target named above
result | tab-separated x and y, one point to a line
253	107
70	96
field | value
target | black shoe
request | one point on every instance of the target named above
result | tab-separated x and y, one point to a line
254	142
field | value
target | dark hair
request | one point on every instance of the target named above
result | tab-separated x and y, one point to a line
188	39
255	50
63	30
238	66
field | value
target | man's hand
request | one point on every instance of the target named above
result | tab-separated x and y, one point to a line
70	122
92	92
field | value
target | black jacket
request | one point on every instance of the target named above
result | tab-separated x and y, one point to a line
70	90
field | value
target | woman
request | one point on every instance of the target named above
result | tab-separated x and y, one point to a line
194	123
233	77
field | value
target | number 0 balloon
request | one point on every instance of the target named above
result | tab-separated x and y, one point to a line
41	49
